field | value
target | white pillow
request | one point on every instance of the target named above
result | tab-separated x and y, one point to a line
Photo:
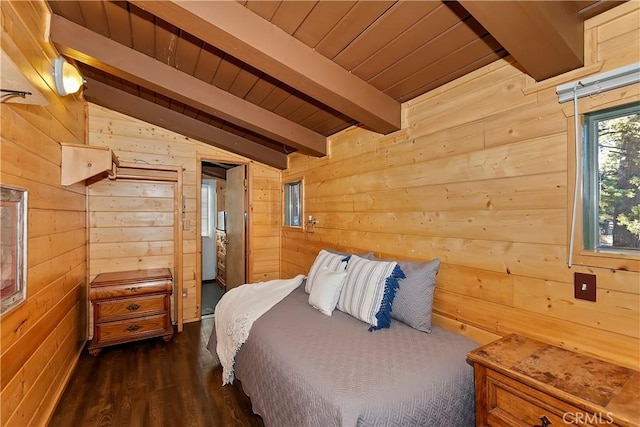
325	293
369	290
333	261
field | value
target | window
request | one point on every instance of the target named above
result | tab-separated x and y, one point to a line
611	180
206	209
293	204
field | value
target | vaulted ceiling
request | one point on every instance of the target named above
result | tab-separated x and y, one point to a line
267	78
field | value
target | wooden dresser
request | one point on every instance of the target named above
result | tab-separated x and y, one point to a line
523	382
221	258
130	306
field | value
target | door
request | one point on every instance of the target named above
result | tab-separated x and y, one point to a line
208	212
236	202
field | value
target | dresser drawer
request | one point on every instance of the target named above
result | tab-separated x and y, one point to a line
120	309
131	283
510	403
130	330
131	289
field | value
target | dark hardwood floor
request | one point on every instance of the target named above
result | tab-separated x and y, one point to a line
153	383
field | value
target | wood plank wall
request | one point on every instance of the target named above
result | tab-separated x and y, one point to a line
131	227
136	141
478	177
42	338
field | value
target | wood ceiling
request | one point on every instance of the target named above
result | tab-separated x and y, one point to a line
266	78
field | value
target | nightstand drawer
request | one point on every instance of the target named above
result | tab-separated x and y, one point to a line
131	329
131	283
110	310
132	289
511	403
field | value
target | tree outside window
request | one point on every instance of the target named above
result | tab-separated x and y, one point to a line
293	204
612	179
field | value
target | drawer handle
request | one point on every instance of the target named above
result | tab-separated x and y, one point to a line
545	422
133	328
132	288
133	307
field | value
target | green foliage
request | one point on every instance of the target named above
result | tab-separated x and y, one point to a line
619	173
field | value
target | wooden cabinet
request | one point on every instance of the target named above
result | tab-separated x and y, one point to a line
130	306
221	257
520	381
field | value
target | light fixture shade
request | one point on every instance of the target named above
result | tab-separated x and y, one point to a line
66	77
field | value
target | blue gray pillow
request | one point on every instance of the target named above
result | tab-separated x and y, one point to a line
413	303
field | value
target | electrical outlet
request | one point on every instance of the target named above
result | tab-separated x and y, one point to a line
584	286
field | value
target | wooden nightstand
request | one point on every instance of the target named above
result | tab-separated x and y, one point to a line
130	306
524	382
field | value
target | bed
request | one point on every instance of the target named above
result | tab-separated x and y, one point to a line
301	367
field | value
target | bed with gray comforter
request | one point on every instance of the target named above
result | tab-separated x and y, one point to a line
302	368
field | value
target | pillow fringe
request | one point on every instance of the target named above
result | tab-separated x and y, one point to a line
391	285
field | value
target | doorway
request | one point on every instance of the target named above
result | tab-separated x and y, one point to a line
223	222
211	289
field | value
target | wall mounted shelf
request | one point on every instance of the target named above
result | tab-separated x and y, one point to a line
80	162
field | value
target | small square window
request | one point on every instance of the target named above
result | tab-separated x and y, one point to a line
293	204
611	180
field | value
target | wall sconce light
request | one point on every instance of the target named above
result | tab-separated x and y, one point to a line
310	224
66	77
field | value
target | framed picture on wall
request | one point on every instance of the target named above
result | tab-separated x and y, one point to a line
13	247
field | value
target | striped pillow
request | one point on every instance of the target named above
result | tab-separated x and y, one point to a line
327	259
369	290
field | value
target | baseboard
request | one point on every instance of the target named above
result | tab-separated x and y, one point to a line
58	394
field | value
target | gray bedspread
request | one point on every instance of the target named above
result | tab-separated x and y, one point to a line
302	368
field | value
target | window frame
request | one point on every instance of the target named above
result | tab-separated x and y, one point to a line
15	217
207	220
287	209
590	182
583	256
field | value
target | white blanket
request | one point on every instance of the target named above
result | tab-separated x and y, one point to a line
236	312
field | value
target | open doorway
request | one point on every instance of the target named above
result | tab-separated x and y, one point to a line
223	221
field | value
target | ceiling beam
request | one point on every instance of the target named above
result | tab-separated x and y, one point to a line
243	34
215	171
545	37
83	45
150	112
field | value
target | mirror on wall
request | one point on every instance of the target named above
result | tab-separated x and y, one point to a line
13	247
